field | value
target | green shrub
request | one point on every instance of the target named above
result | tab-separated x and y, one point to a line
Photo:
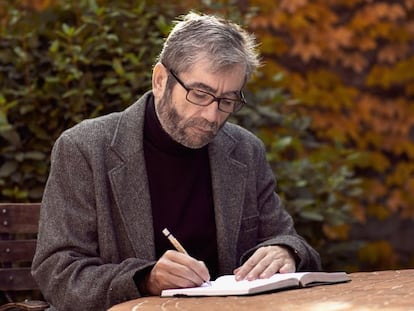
59	66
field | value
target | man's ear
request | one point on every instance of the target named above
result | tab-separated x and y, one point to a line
159	80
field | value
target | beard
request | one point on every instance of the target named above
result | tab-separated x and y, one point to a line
192	133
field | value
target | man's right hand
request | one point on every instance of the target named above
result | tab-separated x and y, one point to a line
175	270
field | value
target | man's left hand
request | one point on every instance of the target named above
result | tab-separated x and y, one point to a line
265	262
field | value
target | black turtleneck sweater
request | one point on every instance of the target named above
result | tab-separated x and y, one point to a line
181	193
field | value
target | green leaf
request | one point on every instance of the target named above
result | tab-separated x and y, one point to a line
117	65
68	30
8	133
109	81
70	93
20	53
34	155
282	143
8	168
311	215
54	47
4	123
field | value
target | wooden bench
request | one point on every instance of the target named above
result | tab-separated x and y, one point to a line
18	232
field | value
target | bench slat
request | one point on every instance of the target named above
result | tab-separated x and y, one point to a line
17	279
17	250
19	217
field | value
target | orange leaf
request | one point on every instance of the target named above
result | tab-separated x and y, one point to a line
409	4
390	11
260	22
340	232
39	4
378	211
292	6
395	200
355	60
272	44
401	173
365	43
306	51
339	37
388	54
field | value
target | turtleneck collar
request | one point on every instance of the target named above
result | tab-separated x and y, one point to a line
159	138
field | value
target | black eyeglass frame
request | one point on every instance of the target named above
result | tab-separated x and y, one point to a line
238	104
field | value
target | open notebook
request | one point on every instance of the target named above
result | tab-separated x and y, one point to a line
227	285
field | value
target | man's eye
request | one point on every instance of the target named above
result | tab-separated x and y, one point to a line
199	94
227	102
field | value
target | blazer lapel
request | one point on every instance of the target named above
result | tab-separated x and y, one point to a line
129	180
131	190
229	182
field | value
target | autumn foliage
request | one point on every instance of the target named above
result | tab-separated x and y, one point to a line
350	63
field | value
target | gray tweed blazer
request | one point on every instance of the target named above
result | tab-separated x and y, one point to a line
96	231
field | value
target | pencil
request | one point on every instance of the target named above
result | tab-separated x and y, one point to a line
178	246
174	241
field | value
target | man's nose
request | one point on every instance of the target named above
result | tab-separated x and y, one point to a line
211	112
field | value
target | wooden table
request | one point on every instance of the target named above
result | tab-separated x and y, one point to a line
382	290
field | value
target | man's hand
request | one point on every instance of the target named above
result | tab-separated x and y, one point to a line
175	270
265	262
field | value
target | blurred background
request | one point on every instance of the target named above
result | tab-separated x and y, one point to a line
333	102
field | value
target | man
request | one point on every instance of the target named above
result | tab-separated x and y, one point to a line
169	161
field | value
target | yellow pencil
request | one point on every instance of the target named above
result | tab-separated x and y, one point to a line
174	241
178	246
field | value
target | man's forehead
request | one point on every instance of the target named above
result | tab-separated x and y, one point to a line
204	68
213	66
210	81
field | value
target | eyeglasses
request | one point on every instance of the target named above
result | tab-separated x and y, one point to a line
203	98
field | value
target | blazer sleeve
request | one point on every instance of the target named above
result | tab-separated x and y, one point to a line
68	265
276	226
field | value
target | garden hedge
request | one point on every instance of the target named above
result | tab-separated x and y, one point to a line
67	61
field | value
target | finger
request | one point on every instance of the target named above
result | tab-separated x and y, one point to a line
170	272
160	278
281	261
203	272
189	268
282	266
265	268
271	269
288	267
265	262
249	265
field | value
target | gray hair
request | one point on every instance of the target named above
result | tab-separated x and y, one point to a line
221	42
